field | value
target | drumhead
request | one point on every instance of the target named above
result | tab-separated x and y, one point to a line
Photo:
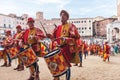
1	48
46	42
52	53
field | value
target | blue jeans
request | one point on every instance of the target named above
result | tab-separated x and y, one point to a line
36	67
9	60
80	55
86	53
68	74
22	49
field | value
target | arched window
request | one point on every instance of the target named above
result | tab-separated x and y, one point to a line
4	25
9	26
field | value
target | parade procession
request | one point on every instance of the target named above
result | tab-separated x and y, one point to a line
28	45
62	48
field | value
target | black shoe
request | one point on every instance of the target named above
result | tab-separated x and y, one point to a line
4	65
37	76
17	67
75	65
31	78
8	65
21	68
80	65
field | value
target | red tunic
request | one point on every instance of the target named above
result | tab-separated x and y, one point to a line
36	36
18	38
107	49
72	34
7	42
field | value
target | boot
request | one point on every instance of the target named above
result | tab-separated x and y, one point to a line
75	64
37	76
56	78
17	67
80	65
4	65
104	60
9	65
21	68
31	77
108	59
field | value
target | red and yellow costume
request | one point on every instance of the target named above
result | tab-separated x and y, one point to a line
85	47
94	49
18	44
32	37
79	46
80	43
70	31
36	33
7	44
99	49
17	38
106	51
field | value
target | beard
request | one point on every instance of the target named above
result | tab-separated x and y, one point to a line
64	21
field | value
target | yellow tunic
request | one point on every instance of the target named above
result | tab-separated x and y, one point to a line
65	33
31	39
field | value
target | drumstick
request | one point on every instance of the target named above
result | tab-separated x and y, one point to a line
15	39
55	25
60	38
52	39
56	38
43	28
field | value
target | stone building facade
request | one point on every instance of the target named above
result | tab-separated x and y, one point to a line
100	28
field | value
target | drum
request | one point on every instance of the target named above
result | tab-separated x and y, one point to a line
56	63
44	49
1	48
1	52
28	57
13	51
36	47
41	49
47	42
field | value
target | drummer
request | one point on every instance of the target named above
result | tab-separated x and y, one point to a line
7	43
31	37
106	49
63	33
17	42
